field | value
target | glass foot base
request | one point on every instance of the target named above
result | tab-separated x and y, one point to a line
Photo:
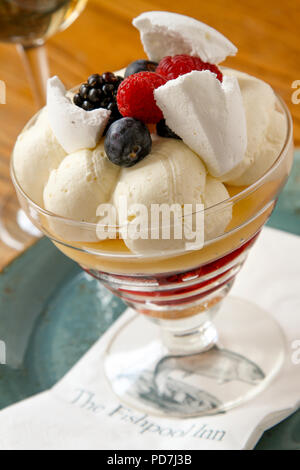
16	230
248	354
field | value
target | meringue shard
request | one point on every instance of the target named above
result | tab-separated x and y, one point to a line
164	33
74	128
208	115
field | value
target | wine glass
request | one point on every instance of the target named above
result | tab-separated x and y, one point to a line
28	24
186	348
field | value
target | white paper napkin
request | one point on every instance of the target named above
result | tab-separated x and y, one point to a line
81	412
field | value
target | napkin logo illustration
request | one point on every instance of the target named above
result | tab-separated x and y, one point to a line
296	94
2	352
170	387
2	92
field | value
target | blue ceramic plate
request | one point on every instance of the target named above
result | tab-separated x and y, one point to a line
51	313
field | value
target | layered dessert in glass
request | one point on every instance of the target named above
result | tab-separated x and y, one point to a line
157	180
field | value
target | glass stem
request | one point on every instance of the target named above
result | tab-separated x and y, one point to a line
191	335
36	66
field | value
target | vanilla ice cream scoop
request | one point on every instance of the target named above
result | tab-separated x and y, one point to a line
266	130
36	153
171	174
216	218
83	181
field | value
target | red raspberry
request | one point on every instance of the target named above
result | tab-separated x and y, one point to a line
135	97
173	67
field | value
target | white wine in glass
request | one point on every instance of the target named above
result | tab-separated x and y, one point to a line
28	24
33	21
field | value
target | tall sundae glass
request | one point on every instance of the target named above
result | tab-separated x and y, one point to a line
186	348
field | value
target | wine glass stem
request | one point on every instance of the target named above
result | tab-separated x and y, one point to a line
36	65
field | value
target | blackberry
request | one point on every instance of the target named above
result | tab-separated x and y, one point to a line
127	142
100	91
140	65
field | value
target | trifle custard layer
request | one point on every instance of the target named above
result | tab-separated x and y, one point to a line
176	129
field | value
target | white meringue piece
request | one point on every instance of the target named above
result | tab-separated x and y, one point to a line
74	128
266	130
164	33
208	115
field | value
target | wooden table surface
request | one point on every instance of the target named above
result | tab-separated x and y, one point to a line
266	33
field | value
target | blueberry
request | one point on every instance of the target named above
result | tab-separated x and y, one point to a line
140	66
127	142
164	131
